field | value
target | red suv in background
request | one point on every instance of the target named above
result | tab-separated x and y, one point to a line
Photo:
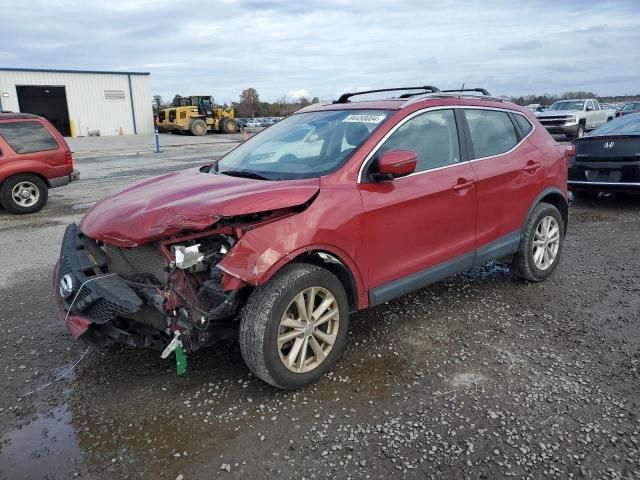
337	208
33	158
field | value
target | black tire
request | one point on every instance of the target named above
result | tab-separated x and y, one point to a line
36	184
523	265
260	324
198	127
229	125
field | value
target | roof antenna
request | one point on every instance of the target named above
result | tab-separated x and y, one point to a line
462	87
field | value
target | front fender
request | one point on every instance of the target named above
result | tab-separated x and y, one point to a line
263	251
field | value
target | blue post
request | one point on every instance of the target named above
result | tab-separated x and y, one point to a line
157	142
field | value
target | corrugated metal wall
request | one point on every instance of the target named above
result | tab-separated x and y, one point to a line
88	109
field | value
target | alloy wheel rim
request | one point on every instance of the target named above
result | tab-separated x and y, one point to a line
546	243
308	329
25	194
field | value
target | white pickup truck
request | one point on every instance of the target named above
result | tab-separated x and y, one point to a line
574	117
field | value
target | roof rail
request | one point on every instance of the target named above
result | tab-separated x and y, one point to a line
479	90
344	98
488	98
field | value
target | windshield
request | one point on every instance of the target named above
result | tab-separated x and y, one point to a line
626	125
304	145
569	105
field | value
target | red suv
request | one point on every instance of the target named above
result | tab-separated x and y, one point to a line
33	158
337	208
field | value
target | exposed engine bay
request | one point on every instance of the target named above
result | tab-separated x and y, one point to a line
143	296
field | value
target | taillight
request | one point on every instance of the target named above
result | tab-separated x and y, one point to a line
569	154
69	160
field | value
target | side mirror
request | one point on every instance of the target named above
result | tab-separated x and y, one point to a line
396	163
589	108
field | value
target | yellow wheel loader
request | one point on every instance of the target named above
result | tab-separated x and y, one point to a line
197	115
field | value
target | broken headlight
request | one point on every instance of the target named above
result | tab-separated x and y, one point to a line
202	255
186	257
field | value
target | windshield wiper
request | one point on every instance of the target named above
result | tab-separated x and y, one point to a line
244	173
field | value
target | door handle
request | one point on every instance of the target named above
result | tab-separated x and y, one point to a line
532	167
463	184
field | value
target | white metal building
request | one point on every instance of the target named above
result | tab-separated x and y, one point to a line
80	103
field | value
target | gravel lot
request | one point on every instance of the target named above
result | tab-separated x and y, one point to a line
479	376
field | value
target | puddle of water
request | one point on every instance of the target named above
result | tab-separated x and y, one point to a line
44	448
488	270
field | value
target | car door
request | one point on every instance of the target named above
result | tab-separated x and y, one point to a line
601	114
421	227
591	115
509	177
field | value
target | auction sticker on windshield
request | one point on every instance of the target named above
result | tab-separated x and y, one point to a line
364	118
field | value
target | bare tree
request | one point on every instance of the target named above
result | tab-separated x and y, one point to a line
249	101
157	104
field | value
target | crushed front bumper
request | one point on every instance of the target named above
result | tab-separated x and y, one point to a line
99	306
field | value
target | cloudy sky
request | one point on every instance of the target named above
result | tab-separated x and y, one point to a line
324	47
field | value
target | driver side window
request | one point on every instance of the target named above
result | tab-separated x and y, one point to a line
432	135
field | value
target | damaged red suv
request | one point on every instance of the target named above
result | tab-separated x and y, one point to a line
337	208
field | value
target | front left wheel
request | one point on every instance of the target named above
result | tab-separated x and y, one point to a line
293	328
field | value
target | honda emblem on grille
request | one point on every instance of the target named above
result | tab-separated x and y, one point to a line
608	144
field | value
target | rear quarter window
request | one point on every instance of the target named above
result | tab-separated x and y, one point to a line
524	124
492	132
27	137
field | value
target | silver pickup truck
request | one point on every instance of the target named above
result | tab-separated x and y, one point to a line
574	117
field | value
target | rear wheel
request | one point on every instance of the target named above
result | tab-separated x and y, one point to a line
293	328
541	244
198	127
229	125
24	193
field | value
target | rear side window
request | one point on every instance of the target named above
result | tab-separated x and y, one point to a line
492	132
524	124
432	135
27	137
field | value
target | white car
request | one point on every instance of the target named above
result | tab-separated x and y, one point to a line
254	122
574	118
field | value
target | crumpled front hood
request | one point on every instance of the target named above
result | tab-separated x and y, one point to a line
188	200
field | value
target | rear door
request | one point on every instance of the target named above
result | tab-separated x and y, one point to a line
33	143
423	220
508	170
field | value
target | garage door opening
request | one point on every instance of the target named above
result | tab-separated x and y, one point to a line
48	102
